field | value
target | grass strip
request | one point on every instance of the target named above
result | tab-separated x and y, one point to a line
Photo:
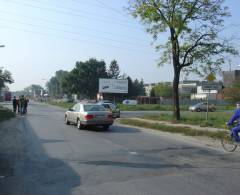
148	107
5	114
162	107
65	105
172	129
215	119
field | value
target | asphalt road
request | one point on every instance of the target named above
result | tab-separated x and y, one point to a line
40	155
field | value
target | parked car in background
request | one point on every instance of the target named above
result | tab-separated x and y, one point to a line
202	106
89	114
111	107
130	102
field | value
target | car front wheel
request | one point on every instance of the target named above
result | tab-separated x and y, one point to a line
66	120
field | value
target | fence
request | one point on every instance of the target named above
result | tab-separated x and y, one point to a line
167	101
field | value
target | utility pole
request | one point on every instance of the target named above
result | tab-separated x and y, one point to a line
230	65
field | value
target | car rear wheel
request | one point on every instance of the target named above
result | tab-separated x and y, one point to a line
212	110
79	126
198	110
106	127
66	120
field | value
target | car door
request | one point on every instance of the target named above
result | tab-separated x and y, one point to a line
70	114
204	106
76	110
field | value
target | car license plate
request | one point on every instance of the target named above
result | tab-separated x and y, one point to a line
100	116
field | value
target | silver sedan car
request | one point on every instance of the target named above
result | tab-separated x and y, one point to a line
202	106
88	114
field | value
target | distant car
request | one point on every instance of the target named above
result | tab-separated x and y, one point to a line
66	100
111	107
202	106
130	102
89	114
105	87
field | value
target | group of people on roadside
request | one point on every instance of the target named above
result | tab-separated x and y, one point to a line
20	105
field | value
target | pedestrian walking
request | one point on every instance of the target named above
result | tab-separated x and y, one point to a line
21	101
25	104
18	105
14	103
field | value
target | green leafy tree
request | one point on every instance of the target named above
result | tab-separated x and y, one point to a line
33	90
114	70
61	76
162	90
55	85
139	87
152	93
84	78
5	77
135	88
52	87
192	28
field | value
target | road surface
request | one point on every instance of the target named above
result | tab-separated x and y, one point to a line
40	155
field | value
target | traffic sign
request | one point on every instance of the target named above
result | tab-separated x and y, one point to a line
211	77
211	86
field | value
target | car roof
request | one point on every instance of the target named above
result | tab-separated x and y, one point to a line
105	101
86	103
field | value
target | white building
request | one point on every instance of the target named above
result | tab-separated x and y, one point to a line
203	94
185	87
148	88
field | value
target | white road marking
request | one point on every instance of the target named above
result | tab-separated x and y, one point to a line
133	153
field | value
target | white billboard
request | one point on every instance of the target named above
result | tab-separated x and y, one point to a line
113	86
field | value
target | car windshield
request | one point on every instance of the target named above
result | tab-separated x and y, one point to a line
93	108
199	104
113	106
107	106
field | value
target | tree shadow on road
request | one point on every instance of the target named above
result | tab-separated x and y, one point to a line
113	129
136	165
34	171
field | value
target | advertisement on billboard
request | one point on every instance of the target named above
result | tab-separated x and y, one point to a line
113	86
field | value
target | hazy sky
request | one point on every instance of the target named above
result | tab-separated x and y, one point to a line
43	36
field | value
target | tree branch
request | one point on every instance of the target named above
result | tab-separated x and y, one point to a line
192	48
160	12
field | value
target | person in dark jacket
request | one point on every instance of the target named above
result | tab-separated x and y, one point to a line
14	102
235	117
18	106
21	101
25	104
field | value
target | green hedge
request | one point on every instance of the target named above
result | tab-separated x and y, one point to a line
5	114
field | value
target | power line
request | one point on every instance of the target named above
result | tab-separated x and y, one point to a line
73	10
70	32
78	40
69	25
110	8
68	13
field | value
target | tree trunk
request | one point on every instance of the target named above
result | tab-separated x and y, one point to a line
177	69
176	109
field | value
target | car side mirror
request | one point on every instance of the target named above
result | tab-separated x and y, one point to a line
70	109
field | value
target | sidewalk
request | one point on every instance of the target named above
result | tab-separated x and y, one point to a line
195	127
